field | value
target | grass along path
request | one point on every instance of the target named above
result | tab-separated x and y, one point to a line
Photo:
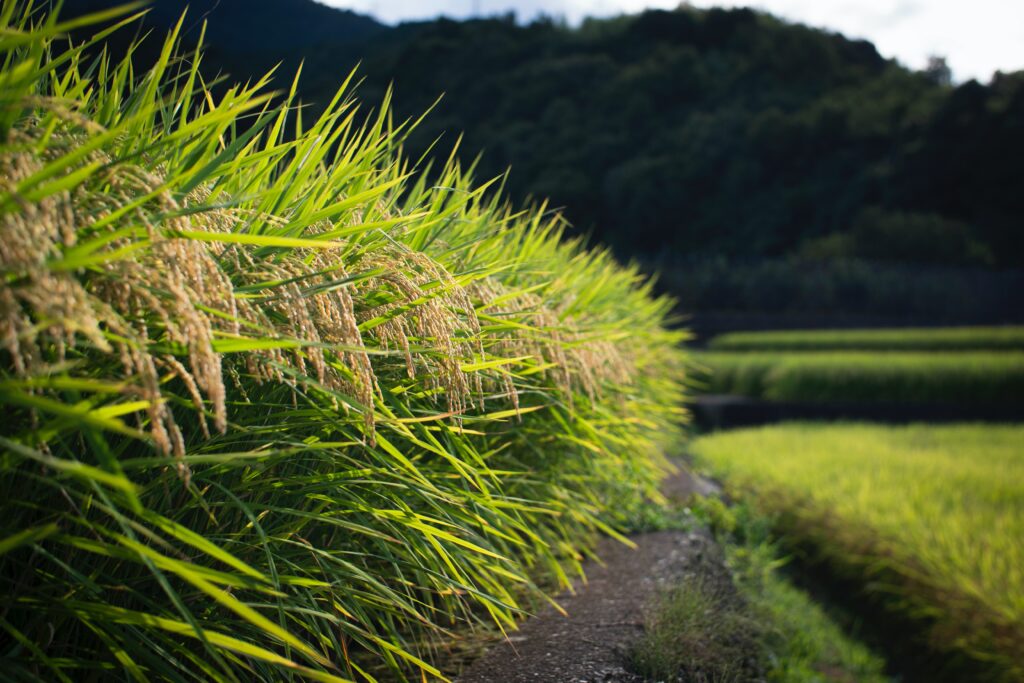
798	638
930	518
682	605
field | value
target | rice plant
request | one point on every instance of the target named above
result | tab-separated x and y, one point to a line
280	403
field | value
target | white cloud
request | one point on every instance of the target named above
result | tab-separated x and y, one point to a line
977	37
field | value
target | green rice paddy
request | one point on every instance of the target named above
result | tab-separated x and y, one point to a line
930	519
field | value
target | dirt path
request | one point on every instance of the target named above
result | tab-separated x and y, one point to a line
605	616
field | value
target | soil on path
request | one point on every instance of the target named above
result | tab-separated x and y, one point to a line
591	643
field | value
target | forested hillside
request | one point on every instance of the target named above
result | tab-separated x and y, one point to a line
727	132
690	137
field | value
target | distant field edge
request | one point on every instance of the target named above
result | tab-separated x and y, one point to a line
988	338
820	376
727	411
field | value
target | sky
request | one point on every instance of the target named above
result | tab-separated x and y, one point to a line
977	37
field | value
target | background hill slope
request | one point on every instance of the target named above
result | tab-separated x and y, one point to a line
687	137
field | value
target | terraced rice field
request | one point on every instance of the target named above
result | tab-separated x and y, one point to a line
929	518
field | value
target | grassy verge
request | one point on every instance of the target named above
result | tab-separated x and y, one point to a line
758	627
278	403
907	339
819	376
927	519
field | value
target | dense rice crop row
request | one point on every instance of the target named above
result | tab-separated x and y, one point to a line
279	404
931	518
909	339
920	377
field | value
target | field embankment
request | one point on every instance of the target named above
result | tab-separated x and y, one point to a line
1007	338
865	376
927	519
278	403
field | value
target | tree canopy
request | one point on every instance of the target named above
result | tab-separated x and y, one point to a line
685	134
